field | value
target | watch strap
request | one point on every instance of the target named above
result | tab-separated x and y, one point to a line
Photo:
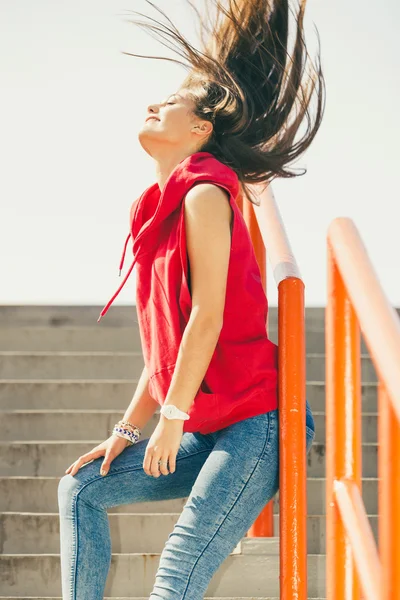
170	411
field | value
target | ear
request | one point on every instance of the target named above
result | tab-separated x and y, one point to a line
204	128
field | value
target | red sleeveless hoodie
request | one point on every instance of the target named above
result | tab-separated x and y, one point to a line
241	380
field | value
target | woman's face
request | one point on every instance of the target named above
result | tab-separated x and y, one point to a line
173	124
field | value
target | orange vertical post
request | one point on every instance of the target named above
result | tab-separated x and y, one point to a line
343	429
389	495
292	441
263	526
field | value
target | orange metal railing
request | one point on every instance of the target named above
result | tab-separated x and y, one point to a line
357	304
266	229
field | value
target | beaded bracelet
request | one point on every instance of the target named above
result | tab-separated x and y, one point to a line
125	433
122	422
128	431
130	426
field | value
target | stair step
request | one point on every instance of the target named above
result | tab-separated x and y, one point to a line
39	494
120	316
239	575
117	365
71	424
34	533
72	339
92	394
109	339
87	315
71	365
67	316
52	458
79	424
67	394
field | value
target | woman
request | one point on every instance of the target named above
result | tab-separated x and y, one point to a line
202	312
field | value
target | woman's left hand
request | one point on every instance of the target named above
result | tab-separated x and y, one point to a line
163	445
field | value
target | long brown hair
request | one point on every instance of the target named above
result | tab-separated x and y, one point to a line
240	82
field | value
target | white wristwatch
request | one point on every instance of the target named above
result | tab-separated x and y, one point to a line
173	412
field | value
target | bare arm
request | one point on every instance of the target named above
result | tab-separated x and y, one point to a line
207	220
208	239
142	406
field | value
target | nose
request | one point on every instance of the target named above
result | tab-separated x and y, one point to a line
152	109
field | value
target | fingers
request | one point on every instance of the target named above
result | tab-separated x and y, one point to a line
164	464
147	461
172	462
154	467
74	468
108	458
151	466
82	460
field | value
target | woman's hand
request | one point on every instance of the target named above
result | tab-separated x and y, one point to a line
163	445
110	449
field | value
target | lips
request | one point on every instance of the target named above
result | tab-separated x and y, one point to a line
148	119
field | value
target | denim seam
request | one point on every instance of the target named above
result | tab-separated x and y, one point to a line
270	427
233	505
75	537
75	549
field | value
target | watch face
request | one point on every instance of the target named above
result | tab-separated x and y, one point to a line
168	411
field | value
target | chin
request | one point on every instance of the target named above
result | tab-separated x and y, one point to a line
146	143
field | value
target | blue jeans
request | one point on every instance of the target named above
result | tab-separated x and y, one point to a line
228	476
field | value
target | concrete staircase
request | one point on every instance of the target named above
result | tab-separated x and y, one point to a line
58	365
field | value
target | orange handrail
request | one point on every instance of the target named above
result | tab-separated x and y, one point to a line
267	230
357	304
263	526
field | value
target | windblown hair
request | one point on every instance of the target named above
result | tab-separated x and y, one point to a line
240	81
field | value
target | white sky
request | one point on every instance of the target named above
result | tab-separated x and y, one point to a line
71	165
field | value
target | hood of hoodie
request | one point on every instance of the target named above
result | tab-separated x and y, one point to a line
154	205
161	204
